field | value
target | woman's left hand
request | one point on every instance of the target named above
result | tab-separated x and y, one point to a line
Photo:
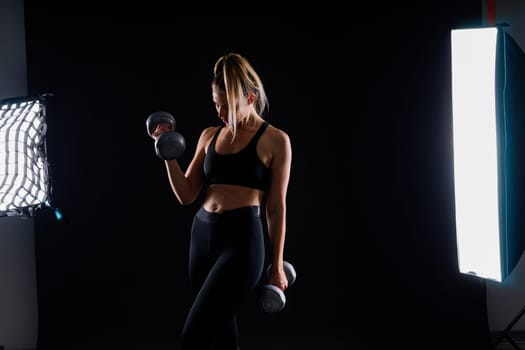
278	278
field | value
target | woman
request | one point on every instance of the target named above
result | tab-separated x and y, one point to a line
236	164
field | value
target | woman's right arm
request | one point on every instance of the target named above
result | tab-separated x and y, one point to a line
187	186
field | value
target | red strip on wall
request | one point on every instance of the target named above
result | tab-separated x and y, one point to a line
491	12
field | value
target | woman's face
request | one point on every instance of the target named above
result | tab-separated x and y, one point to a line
221	104
222	108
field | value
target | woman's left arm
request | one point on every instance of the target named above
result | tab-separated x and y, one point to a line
276	205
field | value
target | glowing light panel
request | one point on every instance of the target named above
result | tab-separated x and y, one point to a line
475	144
24	181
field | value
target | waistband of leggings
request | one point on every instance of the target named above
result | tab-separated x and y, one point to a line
207	216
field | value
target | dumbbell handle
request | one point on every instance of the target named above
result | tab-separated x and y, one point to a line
289	270
160	129
159	118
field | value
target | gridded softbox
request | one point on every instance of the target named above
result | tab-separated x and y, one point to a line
24	173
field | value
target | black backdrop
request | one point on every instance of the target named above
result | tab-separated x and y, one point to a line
366	102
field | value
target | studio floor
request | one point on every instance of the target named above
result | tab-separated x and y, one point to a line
247	343
505	343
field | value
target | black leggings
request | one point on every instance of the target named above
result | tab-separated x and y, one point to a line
225	264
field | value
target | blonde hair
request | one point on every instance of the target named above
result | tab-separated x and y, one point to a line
233	74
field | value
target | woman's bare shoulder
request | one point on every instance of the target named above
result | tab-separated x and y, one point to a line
276	135
207	134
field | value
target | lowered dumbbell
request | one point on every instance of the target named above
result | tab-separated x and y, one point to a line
169	144
272	298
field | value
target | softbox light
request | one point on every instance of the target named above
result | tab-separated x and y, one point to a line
488	109
24	171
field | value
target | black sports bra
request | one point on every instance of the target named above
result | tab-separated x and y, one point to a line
243	168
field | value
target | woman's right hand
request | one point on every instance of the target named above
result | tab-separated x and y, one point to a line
161	128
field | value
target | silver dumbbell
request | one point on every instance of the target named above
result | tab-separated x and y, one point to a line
271	298
169	144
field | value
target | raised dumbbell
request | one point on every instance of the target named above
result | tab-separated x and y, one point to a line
170	144
272	298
